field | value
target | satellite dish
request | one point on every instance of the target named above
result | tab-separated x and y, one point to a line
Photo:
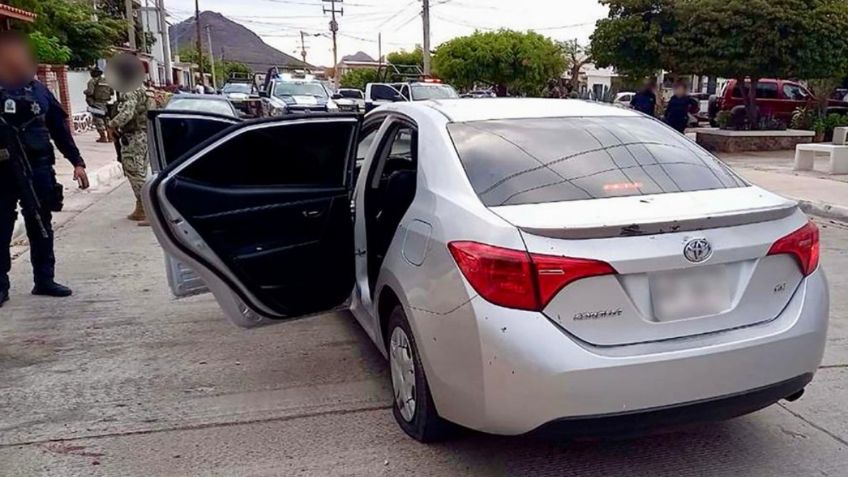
125	73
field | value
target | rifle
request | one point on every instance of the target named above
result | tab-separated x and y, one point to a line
12	149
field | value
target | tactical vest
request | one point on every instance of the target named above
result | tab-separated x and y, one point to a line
29	118
102	91
138	123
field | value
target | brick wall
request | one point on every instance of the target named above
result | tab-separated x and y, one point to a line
55	77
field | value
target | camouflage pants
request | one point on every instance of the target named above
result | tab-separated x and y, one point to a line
135	161
99	121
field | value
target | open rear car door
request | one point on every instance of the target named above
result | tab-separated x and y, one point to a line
261	212
171	134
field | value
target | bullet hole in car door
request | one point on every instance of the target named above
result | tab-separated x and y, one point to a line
389	192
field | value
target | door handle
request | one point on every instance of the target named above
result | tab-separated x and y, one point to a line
311	214
360	253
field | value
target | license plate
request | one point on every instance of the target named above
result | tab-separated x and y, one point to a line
690	293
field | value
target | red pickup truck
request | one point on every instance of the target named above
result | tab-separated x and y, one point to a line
775	97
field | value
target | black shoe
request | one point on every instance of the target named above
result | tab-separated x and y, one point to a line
52	289
4	297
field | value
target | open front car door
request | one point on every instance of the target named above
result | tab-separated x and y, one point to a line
261	211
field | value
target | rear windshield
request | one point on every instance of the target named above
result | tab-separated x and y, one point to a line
528	161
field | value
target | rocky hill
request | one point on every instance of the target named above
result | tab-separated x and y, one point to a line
231	42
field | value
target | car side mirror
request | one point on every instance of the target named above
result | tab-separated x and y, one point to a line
337	96
263	94
398	98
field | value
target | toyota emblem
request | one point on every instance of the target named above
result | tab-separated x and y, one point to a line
698	250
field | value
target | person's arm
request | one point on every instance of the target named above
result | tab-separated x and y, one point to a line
126	111
57	124
56	120
89	94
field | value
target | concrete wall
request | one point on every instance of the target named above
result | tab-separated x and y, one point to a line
77	82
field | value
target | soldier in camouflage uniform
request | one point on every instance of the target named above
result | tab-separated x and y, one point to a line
97	96
130	123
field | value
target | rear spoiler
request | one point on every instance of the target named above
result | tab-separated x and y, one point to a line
735	218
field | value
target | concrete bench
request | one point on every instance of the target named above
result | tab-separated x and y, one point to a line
805	155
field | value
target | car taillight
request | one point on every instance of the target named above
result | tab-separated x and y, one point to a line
803	244
517	279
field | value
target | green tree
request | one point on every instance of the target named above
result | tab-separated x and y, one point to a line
523	63
742	39
359	78
49	49
224	69
403	57
73	24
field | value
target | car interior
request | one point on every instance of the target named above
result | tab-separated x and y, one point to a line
389	192
238	195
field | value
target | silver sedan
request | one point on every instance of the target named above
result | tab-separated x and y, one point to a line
525	265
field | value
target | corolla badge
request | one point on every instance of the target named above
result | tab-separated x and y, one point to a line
698	250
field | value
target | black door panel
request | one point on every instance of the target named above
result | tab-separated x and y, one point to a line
280	242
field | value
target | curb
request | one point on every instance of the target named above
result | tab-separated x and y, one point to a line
98	178
827	211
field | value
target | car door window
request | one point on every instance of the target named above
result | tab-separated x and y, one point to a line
382	92
765	90
277	156
795	92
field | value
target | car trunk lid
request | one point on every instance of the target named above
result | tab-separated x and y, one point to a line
659	291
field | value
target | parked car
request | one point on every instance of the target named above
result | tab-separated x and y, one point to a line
622	100
349	99
775	97
377	94
205	103
523	264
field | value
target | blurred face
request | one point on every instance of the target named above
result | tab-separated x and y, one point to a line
17	65
680	91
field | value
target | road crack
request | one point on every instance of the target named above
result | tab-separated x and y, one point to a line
210	425
814	425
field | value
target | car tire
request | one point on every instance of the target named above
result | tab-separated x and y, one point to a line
418	419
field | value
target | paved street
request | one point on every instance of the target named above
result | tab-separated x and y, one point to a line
123	380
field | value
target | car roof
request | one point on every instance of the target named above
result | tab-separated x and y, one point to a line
485	109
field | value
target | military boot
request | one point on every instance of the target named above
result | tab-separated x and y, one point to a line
138	214
4	297
104	137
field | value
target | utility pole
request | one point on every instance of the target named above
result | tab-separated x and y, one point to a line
303	45
128	6
166	42
199	41
211	55
144	19
380	48
334	28
425	14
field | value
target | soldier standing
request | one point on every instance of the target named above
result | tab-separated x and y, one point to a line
130	122
97	96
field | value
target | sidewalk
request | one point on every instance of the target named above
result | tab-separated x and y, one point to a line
104	172
818	192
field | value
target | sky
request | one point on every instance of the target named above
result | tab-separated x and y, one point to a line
279	22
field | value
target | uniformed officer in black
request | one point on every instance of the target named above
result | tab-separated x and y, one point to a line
22	95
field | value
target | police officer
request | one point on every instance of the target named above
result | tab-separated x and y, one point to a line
98	93
19	92
130	123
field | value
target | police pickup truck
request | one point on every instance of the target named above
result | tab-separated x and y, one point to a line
297	93
377	94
